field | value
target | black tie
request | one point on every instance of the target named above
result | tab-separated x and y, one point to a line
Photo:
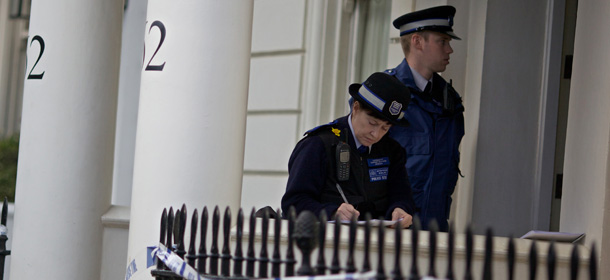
428	87
363	149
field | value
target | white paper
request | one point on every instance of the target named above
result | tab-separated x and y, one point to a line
551	235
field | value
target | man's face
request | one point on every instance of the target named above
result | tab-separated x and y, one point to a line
436	51
368	129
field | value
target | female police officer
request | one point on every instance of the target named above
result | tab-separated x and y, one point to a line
350	166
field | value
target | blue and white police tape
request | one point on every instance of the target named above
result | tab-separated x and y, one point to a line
176	263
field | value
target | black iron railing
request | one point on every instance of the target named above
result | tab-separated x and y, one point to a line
309	232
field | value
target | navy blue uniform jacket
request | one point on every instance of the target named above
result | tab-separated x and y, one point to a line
432	143
311	183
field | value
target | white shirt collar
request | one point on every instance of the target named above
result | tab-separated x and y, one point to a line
420	81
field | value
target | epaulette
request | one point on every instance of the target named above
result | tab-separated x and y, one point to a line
391	72
317	128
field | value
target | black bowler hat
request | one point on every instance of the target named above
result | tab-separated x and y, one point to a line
384	95
439	19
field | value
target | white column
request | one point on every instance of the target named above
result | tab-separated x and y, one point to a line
128	100
67	137
192	116
586	180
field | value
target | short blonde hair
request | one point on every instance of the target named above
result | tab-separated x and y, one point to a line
405	40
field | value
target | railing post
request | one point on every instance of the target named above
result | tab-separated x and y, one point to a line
469	248
350	267
381	243
251	256
201	253
414	275
305	234
533	261
191	256
574	262
276	259
238	260
3	237
321	264
160	264
397	273
214	255
451	244
180	228
593	263
433	226
290	260
551	260
511	258
487	272
263	260
335	266
366	262
225	265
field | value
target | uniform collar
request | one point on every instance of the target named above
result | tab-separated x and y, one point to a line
420	81
351	128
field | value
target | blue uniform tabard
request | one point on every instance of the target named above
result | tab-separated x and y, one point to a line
432	144
377	183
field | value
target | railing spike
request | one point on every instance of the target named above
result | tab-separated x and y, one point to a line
366	262
238	259
225	264
433	229
533	261
305	234
192	256
170	229
593	263
350	266
574	262
4	212
450	248
179	228
381	243
511	258
263	259
469	249
162	240
176	228
276	259
335	266
397	272
551	261
487	270
214	251
290	260
321	263
251	259
414	275
202	252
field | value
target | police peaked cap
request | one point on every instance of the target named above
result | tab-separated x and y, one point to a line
385	96
439	19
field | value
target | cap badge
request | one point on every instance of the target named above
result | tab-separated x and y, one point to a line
395	108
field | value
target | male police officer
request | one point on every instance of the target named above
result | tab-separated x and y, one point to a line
350	166
435	112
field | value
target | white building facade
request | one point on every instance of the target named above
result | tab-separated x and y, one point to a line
106	144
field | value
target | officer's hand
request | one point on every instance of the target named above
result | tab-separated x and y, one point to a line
405	219
347	211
